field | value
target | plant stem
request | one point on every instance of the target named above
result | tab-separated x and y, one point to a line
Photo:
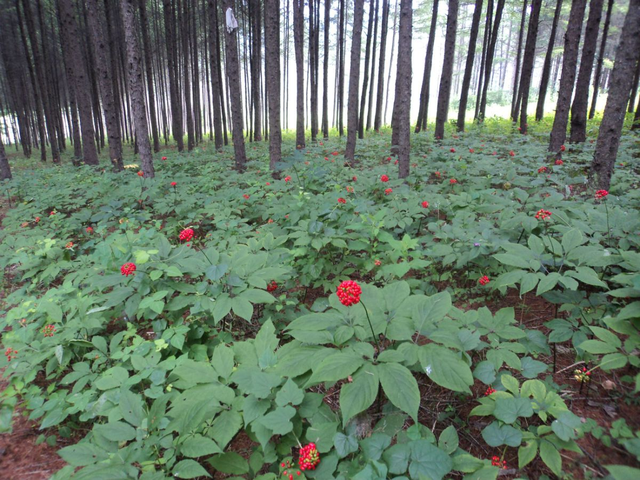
370	325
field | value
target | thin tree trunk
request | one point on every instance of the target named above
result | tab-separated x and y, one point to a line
491	48
354	82
101	47
186	76
447	70
314	52
483	59
272	80
393	49
567	80
233	74
5	170
146	45
325	70
421	124
383	48
627	54
341	54
298	39
636	118
546	68
77	74
603	46
528	61
370	113
174	88
468	69
365	80
216	93
634	89
516	76
135	75
403	88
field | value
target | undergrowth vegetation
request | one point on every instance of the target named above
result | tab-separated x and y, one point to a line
157	322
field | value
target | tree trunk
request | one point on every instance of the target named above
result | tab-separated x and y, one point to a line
77	74
598	74
365	80
636	118
546	68
634	89
354	81
174	87
272	80
581	97
627	55
256	67
403	88
5	170
233	74
483	58
136	90
377	121
146	45
186	76
489	57
101	48
468	69
370	113
421	124
568	76
298	39
516	75
216	92
325	69
447	70
314	52
528	61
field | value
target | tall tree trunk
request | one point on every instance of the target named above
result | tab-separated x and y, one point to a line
468	69
581	97
516	76
354	82
447	70
341	54
77	74
546	68
627	54
421	124
101	48
603	46
298	39
377	122
403	88
528	61
186	76
325	69
634	89
314	52
370	113
365	80
174	87
5	170
233	74
636	118
567	79
491	48
272	81
146	45
256	70
216	87
483	58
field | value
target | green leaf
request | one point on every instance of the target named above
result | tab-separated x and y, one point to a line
82	454
266	339
428	461
496	435
397	458
345	444
242	308
336	367
512	260
622	472
173	271
547	282
289	393
509	409
565	426
112	378
551	457
357	396
279	421
606	336
587	275
117	431
571	239
199	446
446	368
222	361
257	296
466	463
526	453
597	347
132	408
401	387
230	462
485	372
448	440
189	469
225	427
532	368
375	445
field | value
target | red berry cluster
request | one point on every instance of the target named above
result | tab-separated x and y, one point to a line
128	269
489	391
425	204
388	191
600	194
437	174
349	294
309	457
287	178
583	375
173	184
186	235
349	189
288	474
483	280
245	196
542	169
69	245
10	353
384	178
164	158
141	173
496	462
48	330
453	181
89	230
542	214
37	219
272	287
342	200
453	150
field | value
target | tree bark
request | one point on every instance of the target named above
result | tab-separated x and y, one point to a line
627	55
370	113
568	76
421	124
403	88
314	55
101	48
516	76
325	69
377	121
354	81
489	57
146	45
298	39
174	87
256	67
365	80
634	89
233	74
186	76
5	169
447	70
77	74
528	61
546	68
136	90
603	46
468	69
216	92
272	66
